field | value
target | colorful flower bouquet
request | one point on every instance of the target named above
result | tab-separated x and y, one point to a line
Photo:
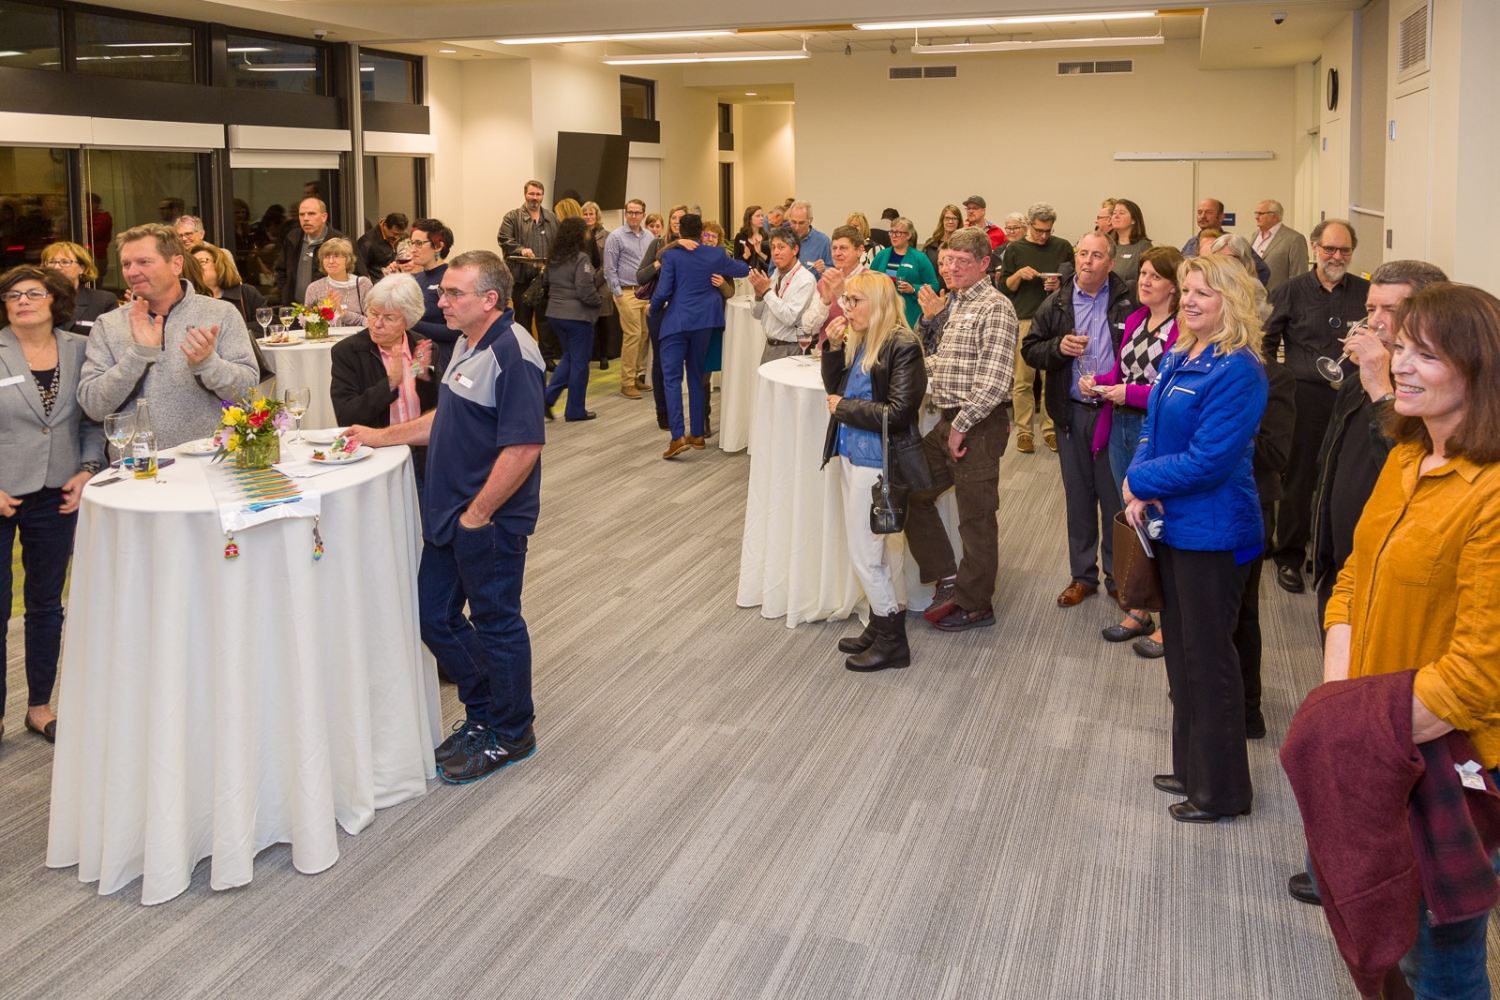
251	431
316	318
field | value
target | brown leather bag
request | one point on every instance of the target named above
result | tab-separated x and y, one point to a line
1137	576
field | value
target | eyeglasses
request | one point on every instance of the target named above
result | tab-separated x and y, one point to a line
61	263
1042	232
452	294
35	294
847	302
900	232
420	243
1262	213
1335	251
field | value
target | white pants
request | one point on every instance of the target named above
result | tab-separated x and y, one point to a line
866	549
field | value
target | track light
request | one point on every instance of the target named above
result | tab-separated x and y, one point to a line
848	49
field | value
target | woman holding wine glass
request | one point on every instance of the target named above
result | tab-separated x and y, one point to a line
340	285
48	452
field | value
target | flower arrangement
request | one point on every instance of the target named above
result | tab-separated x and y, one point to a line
316	317
250	431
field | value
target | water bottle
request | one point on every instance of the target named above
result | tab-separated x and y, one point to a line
143	446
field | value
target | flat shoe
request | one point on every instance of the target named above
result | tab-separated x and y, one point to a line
1169	783
1148	648
1186	812
47	732
1124	633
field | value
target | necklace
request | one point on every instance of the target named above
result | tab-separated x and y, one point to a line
31	358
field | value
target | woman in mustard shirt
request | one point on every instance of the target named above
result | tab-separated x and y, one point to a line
1420	590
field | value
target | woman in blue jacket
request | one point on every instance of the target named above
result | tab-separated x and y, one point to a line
907	266
1192	470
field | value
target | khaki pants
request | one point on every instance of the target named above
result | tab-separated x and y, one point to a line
1022	395
633	339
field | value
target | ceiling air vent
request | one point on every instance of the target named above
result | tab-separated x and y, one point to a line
1103	66
906	73
923	72
940	72
1413	42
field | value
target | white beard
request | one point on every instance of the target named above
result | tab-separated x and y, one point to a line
1334	272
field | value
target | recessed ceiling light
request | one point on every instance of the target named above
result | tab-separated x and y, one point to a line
1048	43
662	59
628	37
448	52
748	93
980	21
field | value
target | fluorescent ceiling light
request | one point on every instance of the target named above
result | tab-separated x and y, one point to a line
288	68
147	45
974	22
9	53
655	36
248	48
704	57
1051	43
448	52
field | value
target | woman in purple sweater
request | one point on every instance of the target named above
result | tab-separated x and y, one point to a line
1149	333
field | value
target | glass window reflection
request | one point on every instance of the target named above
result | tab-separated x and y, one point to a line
259	63
132	49
33	203
33	36
387	78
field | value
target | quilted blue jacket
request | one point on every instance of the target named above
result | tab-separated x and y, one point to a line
1196	449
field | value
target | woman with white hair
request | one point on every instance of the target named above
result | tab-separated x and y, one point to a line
383	374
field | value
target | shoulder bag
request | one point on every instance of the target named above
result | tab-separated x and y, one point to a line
1137	576
888	507
537	293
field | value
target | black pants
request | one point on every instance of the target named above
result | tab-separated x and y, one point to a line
1090	498
46	546
1247	629
607	334
658	389
1202	592
545	338
1294	516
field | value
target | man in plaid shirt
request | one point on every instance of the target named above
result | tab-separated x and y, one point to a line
969	378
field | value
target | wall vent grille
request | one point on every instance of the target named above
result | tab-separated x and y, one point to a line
906	73
1413	40
923	72
1087	68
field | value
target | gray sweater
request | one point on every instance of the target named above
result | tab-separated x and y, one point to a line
574	289
184	398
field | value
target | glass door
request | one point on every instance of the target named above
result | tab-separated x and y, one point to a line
265	204
33	202
130	187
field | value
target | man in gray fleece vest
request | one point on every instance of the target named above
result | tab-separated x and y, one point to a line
180	351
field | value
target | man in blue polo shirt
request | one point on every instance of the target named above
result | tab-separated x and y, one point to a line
484	477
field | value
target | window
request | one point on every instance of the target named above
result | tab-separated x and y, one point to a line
33	36
387	78
268	199
393	184
33	203
132	49
637	98
273	64
127	187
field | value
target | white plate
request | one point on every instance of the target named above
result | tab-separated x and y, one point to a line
363	452
325	436
268	342
201	448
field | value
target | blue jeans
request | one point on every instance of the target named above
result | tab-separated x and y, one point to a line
488	654
46	546
1124	437
572	371
686	346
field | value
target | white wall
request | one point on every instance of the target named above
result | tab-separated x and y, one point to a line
770	157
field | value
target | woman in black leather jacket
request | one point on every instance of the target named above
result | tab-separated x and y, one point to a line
872	367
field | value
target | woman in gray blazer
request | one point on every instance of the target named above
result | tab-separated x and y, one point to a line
48	451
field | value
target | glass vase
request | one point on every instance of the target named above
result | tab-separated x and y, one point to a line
258	452
316	329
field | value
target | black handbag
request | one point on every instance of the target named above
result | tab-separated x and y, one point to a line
911	459
888	506
536	294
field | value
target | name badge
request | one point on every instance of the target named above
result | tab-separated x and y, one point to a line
463	380
13	380
83	322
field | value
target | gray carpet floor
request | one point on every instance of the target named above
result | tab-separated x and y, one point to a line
718	810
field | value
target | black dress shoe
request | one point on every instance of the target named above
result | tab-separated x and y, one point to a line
1169	783
1186	812
1255	725
661	421
47	732
1290	579
587	415
547	409
1300	887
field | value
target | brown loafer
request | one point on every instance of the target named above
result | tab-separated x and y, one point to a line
696	443
1050	440
1025	444
1075	594
677	447
630	391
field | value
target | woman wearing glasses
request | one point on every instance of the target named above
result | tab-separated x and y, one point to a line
77	265
949	222
430	242
872	368
906	268
48	451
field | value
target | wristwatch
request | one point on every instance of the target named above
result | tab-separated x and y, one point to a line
92	468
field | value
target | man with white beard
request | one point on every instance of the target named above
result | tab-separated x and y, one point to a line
1310	316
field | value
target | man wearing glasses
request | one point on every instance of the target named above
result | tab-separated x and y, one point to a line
1282	248
1310	316
969	378
484	477
622	259
1027	276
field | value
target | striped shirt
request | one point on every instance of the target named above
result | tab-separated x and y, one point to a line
974	365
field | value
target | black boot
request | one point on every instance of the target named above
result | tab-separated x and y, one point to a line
859	643
889	649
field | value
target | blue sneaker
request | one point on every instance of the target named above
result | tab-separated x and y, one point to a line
485	754
457	741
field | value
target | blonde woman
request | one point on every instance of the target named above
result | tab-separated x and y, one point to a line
867	247
347	291
77	265
1192	472
872	367
568	208
949	221
223	280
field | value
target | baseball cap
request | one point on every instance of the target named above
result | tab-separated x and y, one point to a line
975	199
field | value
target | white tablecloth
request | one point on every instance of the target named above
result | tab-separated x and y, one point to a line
744	340
310	364
212	706
794	561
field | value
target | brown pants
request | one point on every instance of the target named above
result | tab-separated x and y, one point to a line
633	340
1023	392
975	481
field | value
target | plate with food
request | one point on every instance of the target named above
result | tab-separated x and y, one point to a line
341	452
284	340
201	448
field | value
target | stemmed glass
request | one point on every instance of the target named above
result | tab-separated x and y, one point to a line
1086	370
803	340
1333	368
287	314
120	428
263	316
297	401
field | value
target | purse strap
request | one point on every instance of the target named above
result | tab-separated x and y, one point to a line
885	453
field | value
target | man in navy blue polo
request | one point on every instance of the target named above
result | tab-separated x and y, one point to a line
484	476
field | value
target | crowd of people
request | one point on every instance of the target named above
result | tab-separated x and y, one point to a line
1232	403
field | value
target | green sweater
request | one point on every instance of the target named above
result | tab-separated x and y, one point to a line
916	270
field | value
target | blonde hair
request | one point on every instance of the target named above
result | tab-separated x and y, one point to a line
337	246
1239	326
568	208
598	212
653	217
887	316
83	257
858	221
224	269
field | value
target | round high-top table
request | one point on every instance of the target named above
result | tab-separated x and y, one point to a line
211	707
308	363
794	560
744	340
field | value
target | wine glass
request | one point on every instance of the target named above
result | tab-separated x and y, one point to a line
1087	368
287	314
120	428
263	317
297	401
803	339
1333	368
